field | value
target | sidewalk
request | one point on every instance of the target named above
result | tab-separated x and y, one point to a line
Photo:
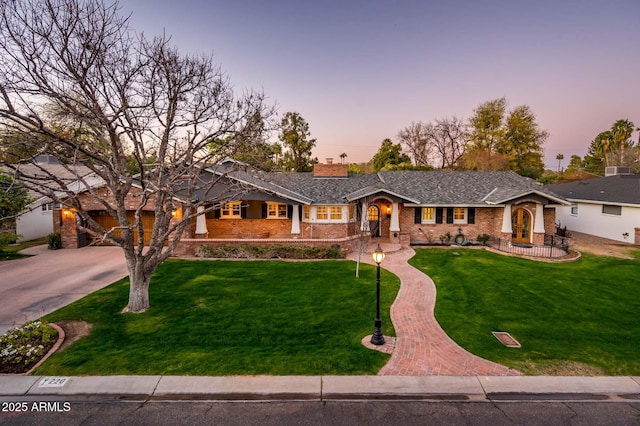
322	388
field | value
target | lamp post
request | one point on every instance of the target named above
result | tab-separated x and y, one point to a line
377	338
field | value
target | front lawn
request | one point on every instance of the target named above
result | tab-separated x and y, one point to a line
230	317
580	317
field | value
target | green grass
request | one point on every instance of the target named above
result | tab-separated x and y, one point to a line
583	313
228	318
10	252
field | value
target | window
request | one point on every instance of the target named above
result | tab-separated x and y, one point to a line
611	209
47	207
322	213
335	213
305	212
231	210
352	211
574	210
428	215
459	215
276	211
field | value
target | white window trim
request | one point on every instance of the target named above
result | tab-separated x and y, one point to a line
464	219
433	216
226	210
343	217
574	211
275	207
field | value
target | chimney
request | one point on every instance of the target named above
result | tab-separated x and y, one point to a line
330	170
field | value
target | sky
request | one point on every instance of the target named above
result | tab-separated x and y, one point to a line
360	71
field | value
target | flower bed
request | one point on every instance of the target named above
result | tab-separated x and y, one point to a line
22	347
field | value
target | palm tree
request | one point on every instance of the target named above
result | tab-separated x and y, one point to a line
343	156
559	157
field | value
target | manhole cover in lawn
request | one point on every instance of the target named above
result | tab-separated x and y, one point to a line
506	339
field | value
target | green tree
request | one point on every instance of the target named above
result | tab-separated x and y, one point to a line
297	143
13	200
487	126
575	163
515	135
389	155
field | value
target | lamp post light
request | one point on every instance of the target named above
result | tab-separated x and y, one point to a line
377	338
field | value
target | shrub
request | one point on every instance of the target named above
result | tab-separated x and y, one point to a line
271	252
7	238
445	238
54	240
22	347
483	238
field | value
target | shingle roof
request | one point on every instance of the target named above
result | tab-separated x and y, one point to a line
624	189
418	187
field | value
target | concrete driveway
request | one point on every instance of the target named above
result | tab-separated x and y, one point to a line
34	286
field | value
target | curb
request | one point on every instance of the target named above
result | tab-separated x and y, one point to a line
324	388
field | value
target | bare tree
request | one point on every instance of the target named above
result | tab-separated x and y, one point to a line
415	138
442	143
116	94
448	136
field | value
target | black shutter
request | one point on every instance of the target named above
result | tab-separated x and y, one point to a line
418	215
216	212
264	210
471	215
438	214
243	210
289	211
449	214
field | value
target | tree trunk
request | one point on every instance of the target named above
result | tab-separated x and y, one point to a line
138	288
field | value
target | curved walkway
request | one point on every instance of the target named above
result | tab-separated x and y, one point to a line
422	348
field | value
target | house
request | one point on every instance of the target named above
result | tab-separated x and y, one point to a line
37	219
330	206
606	207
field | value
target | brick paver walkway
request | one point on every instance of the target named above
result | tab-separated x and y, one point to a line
422	348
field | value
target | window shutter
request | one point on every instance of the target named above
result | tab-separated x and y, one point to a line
449	214
289	211
216	212
243	210
471	215
418	215
438	214
264	210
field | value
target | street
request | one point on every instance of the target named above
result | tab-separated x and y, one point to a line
370	412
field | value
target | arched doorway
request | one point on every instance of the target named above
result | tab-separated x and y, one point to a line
521	226
373	216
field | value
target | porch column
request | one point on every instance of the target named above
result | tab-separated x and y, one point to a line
364	220
506	220
395	218
295	222
538	225
201	222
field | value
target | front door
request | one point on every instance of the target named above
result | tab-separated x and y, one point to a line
373	216
521	226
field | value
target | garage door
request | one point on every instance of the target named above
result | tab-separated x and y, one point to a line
104	219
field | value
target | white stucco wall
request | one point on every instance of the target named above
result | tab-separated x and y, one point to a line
34	224
590	220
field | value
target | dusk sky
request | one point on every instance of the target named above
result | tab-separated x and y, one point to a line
359	71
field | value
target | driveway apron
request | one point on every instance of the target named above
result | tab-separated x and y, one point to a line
422	348
50	279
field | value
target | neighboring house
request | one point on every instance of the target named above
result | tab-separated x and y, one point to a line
37	220
606	207
330	206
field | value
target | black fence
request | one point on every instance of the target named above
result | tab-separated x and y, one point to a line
554	246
